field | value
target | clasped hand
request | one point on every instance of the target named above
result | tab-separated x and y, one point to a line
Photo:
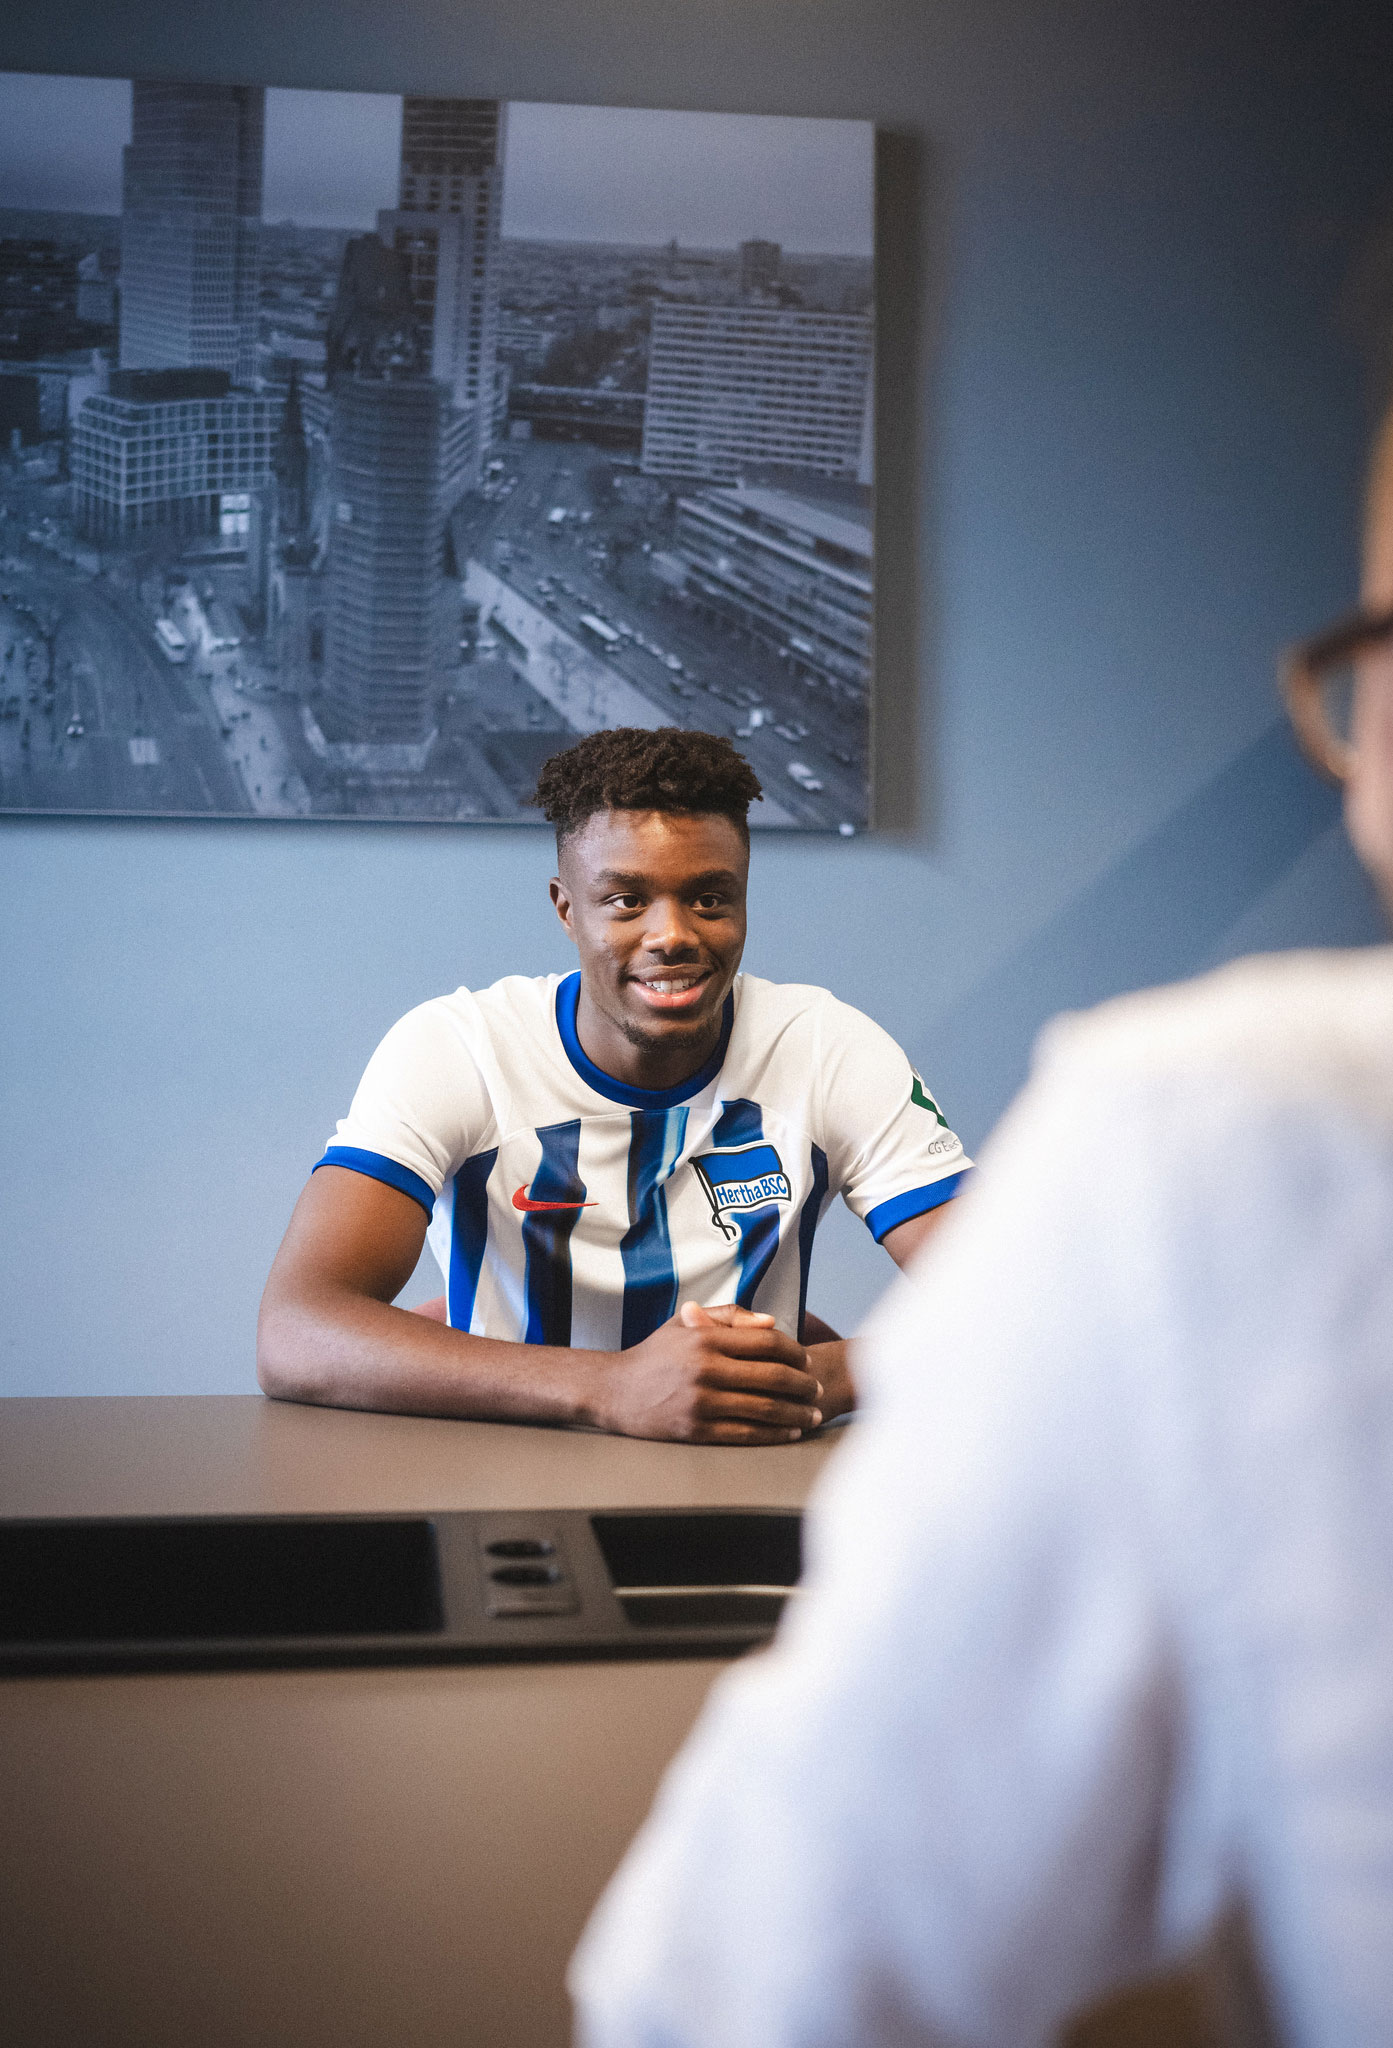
722	1375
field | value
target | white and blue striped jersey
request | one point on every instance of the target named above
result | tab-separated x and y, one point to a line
569	1208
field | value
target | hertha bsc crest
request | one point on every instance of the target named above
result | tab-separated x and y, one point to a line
737	1181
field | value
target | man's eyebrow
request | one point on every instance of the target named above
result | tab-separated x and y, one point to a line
621	878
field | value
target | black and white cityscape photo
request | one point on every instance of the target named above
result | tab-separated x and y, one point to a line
357	452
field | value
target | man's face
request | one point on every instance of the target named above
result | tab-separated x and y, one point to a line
1369	792
655	901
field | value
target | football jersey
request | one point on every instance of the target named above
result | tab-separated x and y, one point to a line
567	1207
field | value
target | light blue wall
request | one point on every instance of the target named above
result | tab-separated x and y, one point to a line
1140	435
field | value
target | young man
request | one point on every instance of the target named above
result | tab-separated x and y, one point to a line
622	1169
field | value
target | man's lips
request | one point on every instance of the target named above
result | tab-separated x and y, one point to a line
679	989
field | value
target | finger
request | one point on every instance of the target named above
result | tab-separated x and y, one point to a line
752	1340
771	1345
747	1435
766	1382
695	1316
758	1410
729	1315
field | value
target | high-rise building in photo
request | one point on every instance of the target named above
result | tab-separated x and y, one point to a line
395	439
793	574
388	613
191	228
445	143
759	265
447	223
731	388
39	293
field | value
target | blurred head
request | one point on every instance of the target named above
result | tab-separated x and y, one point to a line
1339	686
1369	777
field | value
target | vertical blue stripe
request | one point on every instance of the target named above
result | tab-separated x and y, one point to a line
807	1230
469	1230
741	1123
656	1138
546	1236
759	1240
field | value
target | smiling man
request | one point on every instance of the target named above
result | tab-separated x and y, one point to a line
621	1170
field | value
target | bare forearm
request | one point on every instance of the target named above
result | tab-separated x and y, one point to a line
329	1333
692	1380
342	1350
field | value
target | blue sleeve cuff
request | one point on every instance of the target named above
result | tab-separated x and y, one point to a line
377	1166
918	1202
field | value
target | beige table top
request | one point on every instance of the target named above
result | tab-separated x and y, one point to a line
359	1859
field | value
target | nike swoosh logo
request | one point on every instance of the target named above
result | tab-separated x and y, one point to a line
521	1201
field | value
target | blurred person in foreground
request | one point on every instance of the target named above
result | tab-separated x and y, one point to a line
1096	1651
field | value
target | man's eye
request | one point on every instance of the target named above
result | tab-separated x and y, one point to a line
709	900
626	902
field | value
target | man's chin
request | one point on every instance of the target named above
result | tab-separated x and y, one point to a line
665	1034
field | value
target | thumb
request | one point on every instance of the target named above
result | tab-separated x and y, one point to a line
694	1316
727	1315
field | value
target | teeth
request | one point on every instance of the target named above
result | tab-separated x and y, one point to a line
671	988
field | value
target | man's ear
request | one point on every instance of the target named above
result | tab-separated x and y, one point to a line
561	899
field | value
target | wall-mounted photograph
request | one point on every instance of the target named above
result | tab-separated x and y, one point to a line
358	451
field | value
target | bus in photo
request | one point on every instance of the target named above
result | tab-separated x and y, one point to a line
224	634
172	644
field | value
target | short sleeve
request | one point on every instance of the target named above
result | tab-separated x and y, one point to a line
890	1150
420	1109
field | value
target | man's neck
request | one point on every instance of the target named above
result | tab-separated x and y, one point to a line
637	1064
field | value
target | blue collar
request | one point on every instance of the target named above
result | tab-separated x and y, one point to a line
568	995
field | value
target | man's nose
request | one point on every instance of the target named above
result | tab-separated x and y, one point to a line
668	928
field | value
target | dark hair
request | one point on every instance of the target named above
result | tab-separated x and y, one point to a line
630	769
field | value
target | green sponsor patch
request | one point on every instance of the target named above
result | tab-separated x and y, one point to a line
919	1094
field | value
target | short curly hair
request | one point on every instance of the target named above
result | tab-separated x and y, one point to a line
631	769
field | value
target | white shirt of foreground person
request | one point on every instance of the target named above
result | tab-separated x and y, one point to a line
1098	1636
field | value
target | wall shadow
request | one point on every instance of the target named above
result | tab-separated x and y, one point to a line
897	721
1157	916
